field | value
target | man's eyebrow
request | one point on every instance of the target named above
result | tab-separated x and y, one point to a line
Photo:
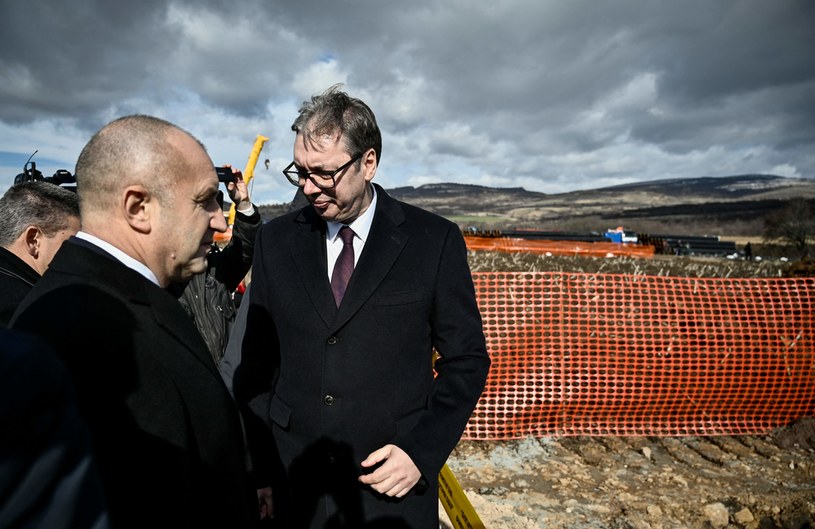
207	195
317	167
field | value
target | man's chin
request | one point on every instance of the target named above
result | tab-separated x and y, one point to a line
194	267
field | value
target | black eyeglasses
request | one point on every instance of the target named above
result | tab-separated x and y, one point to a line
321	179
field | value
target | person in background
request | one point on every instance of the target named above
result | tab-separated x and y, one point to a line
166	433
355	420
208	297
35	217
232	355
48	477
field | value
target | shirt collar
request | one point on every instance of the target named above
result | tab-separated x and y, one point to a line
128	261
361	225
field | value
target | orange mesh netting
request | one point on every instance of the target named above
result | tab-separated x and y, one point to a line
542	246
615	354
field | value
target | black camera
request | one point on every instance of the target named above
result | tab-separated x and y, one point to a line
225	174
62	177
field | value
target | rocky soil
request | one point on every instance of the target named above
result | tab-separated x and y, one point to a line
755	482
723	482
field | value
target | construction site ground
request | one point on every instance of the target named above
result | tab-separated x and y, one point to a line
762	481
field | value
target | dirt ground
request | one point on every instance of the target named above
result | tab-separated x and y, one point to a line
723	482
752	482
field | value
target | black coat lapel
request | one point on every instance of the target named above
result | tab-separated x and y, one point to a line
385	242
307	247
101	267
180	326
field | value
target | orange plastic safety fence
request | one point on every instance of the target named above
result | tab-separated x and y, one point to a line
615	354
536	246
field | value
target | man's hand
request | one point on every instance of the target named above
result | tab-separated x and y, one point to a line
265	503
397	475
238	192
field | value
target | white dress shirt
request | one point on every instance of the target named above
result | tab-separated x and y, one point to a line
361	227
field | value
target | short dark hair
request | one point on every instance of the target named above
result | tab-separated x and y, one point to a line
35	203
336	111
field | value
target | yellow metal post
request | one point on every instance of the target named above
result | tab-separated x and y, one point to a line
455	502
249	171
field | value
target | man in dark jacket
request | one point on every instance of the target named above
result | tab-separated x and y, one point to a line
166	433
35	218
208	297
354	418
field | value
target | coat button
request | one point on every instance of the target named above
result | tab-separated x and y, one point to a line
332	340
328	400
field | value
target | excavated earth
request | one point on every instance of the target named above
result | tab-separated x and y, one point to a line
723	482
755	482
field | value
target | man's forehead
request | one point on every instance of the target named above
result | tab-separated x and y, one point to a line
322	141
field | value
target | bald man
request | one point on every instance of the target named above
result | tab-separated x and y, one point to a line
166	432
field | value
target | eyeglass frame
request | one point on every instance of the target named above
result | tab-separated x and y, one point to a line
324	175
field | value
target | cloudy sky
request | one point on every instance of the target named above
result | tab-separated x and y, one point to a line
550	95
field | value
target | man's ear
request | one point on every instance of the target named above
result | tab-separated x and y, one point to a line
369	165
32	236
137	204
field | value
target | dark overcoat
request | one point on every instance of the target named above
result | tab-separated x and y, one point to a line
47	474
16	280
165	430
333	385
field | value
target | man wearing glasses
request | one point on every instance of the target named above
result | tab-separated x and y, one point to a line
339	372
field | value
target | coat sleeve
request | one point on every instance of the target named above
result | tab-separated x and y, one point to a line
234	261
232	353
462	366
250	371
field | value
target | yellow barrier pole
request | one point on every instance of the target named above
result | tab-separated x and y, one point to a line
455	502
249	171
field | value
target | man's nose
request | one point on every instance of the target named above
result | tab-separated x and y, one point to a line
218	222
310	188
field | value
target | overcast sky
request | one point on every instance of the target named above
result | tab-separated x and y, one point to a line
549	95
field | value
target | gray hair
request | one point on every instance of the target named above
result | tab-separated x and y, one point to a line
41	204
335	111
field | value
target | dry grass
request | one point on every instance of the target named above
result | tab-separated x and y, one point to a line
487	261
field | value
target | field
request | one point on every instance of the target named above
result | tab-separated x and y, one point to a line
755	482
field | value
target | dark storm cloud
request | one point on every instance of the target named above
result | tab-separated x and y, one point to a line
69	58
541	93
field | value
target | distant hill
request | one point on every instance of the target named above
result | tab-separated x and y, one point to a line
731	205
